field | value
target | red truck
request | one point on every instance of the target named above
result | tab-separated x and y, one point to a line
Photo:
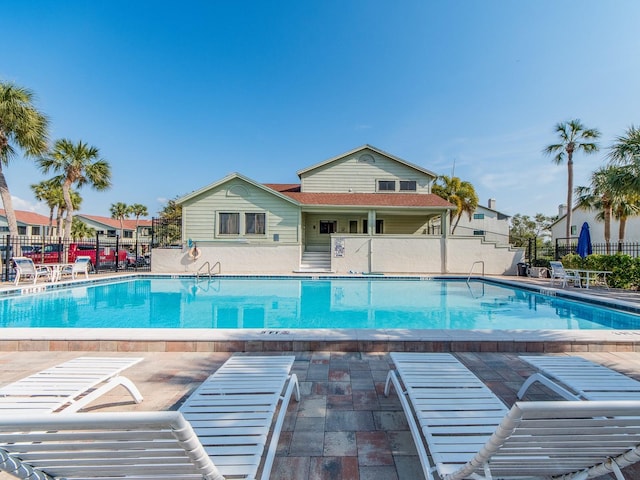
54	253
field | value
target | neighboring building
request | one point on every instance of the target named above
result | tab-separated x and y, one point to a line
485	222
29	223
596	227
109	227
362	211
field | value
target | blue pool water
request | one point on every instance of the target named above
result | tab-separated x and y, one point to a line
305	303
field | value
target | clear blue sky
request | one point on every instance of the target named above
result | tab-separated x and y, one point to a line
177	95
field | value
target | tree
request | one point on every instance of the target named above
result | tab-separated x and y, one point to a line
78	164
138	210
626	148
171	211
523	228
50	192
458	192
22	126
120	211
44	192
80	230
574	137
599	196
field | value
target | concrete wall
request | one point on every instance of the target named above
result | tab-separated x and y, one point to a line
384	254
242	259
428	255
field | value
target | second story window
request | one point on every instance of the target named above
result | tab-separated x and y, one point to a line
408	186
478	216
386	185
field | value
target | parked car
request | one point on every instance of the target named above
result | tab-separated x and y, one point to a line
29	249
54	253
135	261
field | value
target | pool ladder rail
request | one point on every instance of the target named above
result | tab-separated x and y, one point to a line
474	264
209	269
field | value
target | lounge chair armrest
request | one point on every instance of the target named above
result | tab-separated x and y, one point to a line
547	382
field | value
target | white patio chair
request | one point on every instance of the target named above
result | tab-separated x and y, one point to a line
580	379
68	386
80	266
220	432
471	434
559	273
26	268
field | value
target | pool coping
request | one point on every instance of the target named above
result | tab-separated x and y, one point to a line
363	340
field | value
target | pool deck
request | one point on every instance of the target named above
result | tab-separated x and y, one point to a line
344	428
342	340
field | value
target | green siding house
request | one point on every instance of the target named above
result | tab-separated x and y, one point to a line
363	211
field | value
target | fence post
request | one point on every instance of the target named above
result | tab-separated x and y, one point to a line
7	258
117	250
97	265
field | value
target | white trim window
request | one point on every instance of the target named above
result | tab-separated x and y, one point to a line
386	185
228	223
408	186
254	223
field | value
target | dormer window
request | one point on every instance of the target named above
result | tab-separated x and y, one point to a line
386	185
408	186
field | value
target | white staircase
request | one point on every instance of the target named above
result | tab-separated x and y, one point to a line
316	262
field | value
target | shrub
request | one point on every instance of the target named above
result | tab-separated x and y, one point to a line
625	270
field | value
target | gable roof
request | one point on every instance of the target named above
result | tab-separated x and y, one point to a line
373	149
28	218
226	179
127	224
362	199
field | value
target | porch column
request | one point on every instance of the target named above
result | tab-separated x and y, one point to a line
444	222
371	222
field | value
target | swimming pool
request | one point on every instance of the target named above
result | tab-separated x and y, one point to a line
239	303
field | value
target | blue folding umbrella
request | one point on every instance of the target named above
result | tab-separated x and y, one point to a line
584	241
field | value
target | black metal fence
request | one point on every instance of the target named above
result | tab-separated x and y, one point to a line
166	232
107	254
563	246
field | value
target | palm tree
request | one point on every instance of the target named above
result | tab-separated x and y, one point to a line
21	125
120	211
44	192
600	196
458	192
625	207
80	230
138	210
626	149
78	164
574	137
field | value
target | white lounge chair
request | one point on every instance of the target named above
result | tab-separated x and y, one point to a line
26	268
80	266
69	386
219	432
559	273
471	434
580	379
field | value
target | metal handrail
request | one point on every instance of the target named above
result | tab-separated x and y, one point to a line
471	271
209	268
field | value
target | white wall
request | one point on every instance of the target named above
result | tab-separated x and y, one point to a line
242	259
596	227
386	254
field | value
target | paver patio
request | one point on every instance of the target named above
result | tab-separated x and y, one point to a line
344	428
